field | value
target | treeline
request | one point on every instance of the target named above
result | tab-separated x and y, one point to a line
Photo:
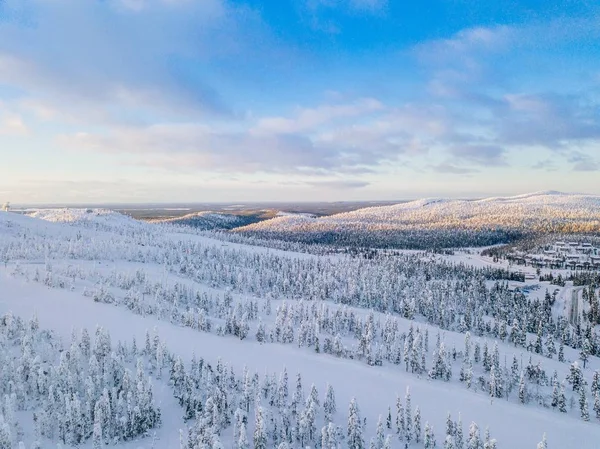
388	239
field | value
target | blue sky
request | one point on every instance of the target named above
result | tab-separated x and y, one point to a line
214	100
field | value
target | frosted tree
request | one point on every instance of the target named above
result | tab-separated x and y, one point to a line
307	423
561	352
329	406
408	420
325	440
260	431
595	382
378	440
486	359
458	431
522	389
586	349
400	423
468	373
97	436
5	434
583	404
543	444
562	399
417	425
260	332
298	396
439	368
355	431
314	395
575	376
282	389
416	353
550	347
408	342
488	443
450	430
429	437
387	444
474	441
243	438
555	391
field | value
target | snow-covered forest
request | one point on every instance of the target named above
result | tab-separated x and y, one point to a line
439	223
130	334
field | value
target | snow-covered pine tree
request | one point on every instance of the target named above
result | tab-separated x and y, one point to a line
260	431
583	404
417	426
543	444
408	435
379	439
474	441
458	431
355	431
400	423
562	399
329	406
429	437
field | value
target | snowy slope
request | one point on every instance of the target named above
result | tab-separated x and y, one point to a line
514	426
83	269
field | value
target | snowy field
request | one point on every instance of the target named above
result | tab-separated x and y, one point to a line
358	333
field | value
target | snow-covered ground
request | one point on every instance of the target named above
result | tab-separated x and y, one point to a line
71	257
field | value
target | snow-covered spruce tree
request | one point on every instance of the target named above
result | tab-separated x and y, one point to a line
543	444
417	426
429	437
378	440
408	434
474	441
562	399
329	406
583	404
260	432
355	430
400	422
458	429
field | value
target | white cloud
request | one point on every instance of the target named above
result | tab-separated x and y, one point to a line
11	123
310	118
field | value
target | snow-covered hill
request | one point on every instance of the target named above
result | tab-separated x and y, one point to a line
220	326
96	219
536	212
210	220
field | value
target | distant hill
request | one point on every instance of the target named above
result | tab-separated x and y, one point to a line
442	222
98	219
211	220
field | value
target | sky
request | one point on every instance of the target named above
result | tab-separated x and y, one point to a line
296	100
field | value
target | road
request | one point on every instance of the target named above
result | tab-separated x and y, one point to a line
574	309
